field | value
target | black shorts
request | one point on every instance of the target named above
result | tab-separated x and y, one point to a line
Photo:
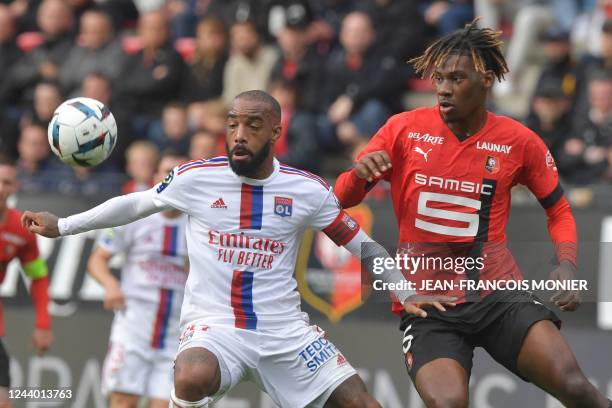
498	323
5	379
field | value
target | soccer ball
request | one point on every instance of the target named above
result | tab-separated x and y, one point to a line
82	132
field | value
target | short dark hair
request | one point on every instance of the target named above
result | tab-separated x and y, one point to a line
261	96
6	160
483	45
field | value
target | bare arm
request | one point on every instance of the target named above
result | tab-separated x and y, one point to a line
97	267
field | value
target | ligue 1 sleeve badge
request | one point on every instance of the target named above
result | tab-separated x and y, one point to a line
283	206
162	186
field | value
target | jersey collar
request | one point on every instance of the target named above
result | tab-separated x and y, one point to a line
260	182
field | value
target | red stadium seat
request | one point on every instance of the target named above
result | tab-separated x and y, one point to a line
131	44
186	46
29	40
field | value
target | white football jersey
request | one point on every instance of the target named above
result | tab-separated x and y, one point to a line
243	237
156	263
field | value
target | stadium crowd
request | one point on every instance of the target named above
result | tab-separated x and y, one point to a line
168	68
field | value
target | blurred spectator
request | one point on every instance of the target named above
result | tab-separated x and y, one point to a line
560	68
300	64
447	16
280	14
152	77
362	85
328	17
96	52
9	134
141	163
585	157
206	71
55	21
400	28
173	130
550	113
47	97
587	28
38	170
297	145
98	86
9	51
204	145
250	63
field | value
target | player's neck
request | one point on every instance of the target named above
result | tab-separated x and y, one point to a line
264	171
3	212
470	125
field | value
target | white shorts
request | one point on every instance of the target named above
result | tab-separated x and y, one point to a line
296	366
142	346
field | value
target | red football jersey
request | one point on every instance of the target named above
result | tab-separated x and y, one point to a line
15	242
451	197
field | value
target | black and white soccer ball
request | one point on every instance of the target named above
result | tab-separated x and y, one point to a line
82	132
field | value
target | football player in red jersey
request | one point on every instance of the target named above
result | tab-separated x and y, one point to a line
451	168
18	242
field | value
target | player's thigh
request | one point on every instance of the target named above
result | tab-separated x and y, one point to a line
506	336
213	358
300	367
443	382
158	403
123	400
351	393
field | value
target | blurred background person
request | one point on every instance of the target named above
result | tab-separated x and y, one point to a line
142	158
298	145
172	132
250	62
47	97
204	145
206	71
146	300
585	157
96	51
152	77
43	62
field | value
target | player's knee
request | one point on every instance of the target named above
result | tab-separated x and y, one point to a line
447	400
357	400
196	374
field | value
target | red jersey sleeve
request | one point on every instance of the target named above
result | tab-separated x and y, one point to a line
29	251
351	189
541	177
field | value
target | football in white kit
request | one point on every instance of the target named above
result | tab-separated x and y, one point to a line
144	336
241	300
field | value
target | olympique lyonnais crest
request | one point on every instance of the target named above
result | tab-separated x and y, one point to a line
492	164
329	277
283	206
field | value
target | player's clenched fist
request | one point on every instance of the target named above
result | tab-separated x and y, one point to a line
415	304
373	165
42	223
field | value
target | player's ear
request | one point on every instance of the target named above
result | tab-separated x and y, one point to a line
276	132
488	78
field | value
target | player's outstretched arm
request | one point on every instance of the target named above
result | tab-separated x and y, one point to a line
112	213
364	247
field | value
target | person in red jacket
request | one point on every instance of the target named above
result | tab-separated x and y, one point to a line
451	168
17	242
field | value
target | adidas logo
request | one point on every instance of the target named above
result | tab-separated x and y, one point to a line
218	204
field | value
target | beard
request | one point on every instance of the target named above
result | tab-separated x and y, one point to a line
250	167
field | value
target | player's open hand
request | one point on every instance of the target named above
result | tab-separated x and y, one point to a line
373	165
567	300
114	299
42	223
42	339
415	303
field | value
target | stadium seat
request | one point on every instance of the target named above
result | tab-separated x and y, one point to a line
29	40
186	46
